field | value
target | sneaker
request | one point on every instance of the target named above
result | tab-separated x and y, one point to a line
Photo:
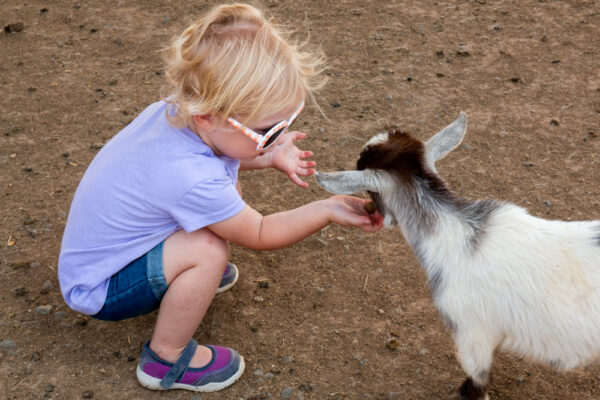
230	277
225	367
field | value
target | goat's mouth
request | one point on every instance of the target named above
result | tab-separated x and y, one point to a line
375	204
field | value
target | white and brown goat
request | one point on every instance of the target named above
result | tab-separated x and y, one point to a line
499	277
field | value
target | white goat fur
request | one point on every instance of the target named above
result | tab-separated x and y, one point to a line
528	286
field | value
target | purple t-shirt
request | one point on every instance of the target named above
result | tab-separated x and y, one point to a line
146	183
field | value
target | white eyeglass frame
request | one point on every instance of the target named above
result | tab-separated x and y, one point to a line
261	140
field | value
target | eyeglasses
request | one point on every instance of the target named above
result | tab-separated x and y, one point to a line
265	140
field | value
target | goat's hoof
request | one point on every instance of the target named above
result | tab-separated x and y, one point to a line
470	391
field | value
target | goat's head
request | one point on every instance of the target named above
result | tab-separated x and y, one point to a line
395	160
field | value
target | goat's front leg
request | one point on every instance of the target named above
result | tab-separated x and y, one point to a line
475	350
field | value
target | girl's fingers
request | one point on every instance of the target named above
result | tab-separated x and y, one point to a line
298	135
294	178
305	171
307	164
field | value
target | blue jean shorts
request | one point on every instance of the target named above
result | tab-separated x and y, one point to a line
137	289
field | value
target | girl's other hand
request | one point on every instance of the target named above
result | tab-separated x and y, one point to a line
289	159
350	211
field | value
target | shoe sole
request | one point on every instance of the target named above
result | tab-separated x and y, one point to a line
153	383
227	287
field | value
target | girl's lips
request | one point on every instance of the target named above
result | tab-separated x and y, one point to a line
262	153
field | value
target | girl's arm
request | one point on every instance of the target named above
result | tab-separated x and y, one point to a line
259	162
250	229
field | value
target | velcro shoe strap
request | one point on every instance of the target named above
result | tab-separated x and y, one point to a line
178	369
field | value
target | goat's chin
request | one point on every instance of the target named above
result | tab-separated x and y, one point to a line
389	221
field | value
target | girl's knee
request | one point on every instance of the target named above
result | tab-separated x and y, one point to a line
206	245
183	251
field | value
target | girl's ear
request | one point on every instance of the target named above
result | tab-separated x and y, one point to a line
206	122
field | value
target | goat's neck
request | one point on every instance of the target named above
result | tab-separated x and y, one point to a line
437	224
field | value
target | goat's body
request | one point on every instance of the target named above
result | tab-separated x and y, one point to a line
528	286
501	278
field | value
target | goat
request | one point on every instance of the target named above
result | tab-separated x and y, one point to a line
499	277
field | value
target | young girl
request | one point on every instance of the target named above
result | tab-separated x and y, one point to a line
150	222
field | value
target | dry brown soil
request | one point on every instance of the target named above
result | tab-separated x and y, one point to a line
526	72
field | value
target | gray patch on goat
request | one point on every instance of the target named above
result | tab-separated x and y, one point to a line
477	215
434	273
557	364
598	234
435	281
484	375
449	322
426	204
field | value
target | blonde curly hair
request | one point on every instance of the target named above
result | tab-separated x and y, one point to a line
235	61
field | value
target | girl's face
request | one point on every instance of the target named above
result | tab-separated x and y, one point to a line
227	140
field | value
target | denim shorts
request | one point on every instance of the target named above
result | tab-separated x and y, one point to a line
137	289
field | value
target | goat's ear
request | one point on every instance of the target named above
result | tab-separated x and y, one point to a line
347	182
447	139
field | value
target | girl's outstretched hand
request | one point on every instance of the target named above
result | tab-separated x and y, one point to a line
289	159
350	211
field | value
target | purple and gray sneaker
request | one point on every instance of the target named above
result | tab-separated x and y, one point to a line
225	367
230	277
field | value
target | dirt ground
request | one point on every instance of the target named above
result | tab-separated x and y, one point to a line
346	315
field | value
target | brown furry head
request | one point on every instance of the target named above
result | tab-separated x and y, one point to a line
402	155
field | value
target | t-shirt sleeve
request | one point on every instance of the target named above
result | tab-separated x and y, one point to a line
206	203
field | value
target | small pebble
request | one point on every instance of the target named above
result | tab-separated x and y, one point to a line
60	315
88	394
263	283
7	344
35	264
259	299
14	27
286	393
392	344
44	310
46	287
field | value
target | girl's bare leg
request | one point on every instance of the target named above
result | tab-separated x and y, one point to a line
193	266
